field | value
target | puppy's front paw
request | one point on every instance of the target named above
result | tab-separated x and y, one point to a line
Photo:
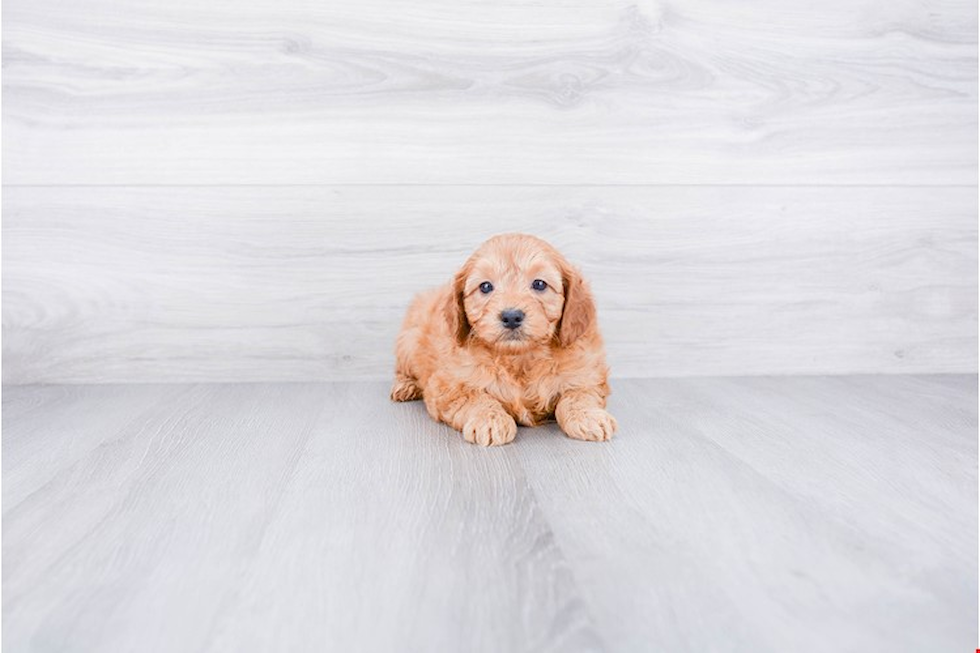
593	424
490	427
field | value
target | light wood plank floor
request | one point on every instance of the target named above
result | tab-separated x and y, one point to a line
729	514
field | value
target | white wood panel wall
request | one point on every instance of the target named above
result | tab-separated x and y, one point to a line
252	190
114	284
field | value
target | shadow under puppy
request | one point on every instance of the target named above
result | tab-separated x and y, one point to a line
511	340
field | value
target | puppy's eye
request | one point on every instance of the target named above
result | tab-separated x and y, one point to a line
538	284
486	287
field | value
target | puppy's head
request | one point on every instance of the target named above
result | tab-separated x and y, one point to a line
517	292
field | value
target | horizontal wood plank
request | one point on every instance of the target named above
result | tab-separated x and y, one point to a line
553	92
306	283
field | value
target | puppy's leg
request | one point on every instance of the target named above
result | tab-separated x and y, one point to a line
480	417
581	415
405	388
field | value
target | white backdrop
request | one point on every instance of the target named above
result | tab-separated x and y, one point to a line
236	190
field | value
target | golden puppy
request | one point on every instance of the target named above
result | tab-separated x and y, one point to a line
513	337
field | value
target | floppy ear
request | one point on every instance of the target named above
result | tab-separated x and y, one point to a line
459	326
578	313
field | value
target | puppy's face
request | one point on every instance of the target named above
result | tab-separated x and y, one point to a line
517	292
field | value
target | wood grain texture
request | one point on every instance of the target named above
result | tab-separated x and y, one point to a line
252	284
555	92
736	514
843	485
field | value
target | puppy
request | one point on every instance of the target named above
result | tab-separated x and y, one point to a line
511	340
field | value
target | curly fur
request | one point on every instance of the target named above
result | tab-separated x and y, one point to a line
484	379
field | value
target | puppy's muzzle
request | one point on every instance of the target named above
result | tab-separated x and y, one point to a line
512	318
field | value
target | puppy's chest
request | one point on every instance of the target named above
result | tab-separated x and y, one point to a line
529	398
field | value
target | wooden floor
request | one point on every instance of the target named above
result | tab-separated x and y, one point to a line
736	514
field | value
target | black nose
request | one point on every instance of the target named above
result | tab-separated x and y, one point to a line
512	318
